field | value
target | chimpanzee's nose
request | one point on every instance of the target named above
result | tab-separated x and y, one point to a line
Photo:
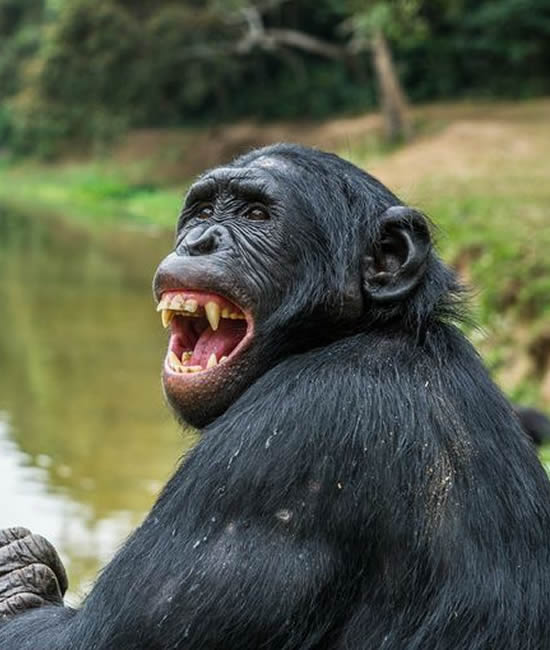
203	240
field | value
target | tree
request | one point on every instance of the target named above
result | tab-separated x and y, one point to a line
371	24
365	26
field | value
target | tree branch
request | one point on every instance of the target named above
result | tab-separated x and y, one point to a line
272	38
303	41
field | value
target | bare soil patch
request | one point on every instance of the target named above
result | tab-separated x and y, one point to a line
451	141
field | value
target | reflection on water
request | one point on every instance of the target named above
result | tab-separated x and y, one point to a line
85	439
68	523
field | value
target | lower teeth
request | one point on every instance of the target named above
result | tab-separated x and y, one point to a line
191	368
179	365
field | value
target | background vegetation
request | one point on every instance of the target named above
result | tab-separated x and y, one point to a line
89	69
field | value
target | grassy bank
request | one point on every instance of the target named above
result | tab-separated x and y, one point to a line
484	181
480	171
91	193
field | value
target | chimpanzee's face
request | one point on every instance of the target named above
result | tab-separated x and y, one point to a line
235	260
284	250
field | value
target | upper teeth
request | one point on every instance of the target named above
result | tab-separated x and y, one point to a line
177	302
190	305
172	304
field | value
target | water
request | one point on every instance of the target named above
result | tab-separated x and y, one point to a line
86	441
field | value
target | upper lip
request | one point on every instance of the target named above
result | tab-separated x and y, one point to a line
181	273
168	283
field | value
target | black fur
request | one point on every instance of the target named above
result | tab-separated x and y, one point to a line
371	489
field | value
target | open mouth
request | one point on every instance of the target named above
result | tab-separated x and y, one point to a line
207	330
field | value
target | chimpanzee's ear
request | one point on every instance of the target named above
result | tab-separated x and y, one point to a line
396	263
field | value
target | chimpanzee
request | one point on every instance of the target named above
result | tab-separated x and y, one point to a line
360	482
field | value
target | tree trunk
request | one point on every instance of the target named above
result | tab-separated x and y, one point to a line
395	109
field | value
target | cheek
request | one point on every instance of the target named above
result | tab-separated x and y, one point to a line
262	264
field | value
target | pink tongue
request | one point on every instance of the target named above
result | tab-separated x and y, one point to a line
221	342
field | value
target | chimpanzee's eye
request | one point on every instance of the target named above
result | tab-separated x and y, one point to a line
204	211
257	213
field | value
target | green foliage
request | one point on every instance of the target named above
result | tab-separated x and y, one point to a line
91	193
491	48
20	38
38	129
6	125
88	69
183	83
16	13
397	19
91	62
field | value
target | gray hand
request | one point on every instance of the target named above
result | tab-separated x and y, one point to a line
31	573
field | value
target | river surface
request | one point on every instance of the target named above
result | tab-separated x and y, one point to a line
86	441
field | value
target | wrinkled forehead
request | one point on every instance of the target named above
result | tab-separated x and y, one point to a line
258	179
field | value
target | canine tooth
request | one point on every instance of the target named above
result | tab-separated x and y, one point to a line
186	356
190	305
223	359
166	316
173	360
212	310
212	361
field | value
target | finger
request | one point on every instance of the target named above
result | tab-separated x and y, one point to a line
18	604
32	549
9	535
36	579
53	561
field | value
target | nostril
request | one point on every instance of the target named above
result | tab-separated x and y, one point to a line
205	244
202	242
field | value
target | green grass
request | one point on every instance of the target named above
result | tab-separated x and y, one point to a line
544	456
93	194
503	257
